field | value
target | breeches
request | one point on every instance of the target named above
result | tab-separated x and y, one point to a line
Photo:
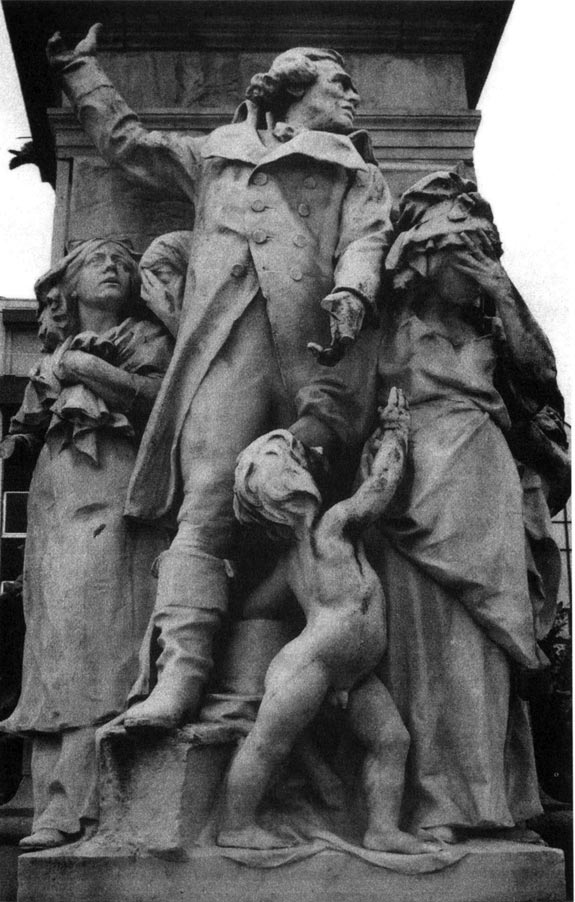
241	397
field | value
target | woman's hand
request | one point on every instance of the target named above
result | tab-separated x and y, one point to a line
71	366
477	264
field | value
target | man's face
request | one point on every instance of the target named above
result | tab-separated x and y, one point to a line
329	104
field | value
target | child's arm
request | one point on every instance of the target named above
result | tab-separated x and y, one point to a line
383	473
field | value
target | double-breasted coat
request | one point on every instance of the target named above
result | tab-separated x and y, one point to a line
293	221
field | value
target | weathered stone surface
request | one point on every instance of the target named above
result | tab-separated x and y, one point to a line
156	791
103	202
15	822
491	872
217	80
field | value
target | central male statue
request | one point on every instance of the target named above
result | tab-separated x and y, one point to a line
291	220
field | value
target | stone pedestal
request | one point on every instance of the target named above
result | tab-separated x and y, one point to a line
15	823
491	872
157	791
157	795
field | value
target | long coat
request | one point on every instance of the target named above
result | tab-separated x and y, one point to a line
88	591
295	221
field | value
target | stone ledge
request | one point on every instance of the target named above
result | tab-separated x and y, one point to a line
492	871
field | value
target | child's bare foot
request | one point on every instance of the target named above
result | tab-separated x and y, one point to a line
252	837
441	833
393	840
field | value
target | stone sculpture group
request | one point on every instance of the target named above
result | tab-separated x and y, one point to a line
341	432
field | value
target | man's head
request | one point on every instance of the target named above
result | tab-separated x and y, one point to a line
309	88
273	484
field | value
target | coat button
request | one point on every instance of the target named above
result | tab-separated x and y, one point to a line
296	274
258	206
238	270
310	182
259	236
260	178
304	210
300	240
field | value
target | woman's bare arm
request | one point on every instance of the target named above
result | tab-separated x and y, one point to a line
126	392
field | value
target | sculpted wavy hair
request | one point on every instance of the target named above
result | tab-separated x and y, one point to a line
268	488
288	78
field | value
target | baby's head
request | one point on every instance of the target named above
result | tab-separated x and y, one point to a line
273	484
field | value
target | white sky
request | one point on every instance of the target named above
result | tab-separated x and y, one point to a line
523	161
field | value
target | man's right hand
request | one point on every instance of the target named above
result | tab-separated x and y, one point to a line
59	55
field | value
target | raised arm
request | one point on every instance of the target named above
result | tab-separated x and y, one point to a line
526	341
383	465
161	161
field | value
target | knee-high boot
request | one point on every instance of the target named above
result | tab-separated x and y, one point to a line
192	597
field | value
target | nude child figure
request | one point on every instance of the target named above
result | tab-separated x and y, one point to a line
344	637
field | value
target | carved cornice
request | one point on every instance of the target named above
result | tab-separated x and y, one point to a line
471	28
392	26
394	135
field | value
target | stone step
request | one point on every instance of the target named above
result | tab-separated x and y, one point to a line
491	871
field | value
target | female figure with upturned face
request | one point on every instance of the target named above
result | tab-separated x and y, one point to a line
88	591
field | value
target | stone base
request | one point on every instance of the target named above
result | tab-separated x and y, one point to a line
15	822
493	871
159	791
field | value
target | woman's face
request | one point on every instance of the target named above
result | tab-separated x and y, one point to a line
451	284
170	278
104	279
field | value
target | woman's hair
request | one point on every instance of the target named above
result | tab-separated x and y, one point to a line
288	78
56	292
268	488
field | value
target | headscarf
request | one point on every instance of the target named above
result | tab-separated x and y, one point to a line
432	215
53	312
172	248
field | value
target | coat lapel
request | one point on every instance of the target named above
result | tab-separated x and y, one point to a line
235	142
322	146
240	141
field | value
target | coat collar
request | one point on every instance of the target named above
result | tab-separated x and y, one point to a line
240	141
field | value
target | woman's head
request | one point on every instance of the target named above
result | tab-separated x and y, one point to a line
100	273
273	484
163	268
437	216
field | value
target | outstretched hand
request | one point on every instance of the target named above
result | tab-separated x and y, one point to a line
59	55
331	355
346	315
477	263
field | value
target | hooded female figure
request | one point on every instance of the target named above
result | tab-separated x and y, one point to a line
468	565
88	592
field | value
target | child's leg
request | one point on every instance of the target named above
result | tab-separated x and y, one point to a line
374	719
296	685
